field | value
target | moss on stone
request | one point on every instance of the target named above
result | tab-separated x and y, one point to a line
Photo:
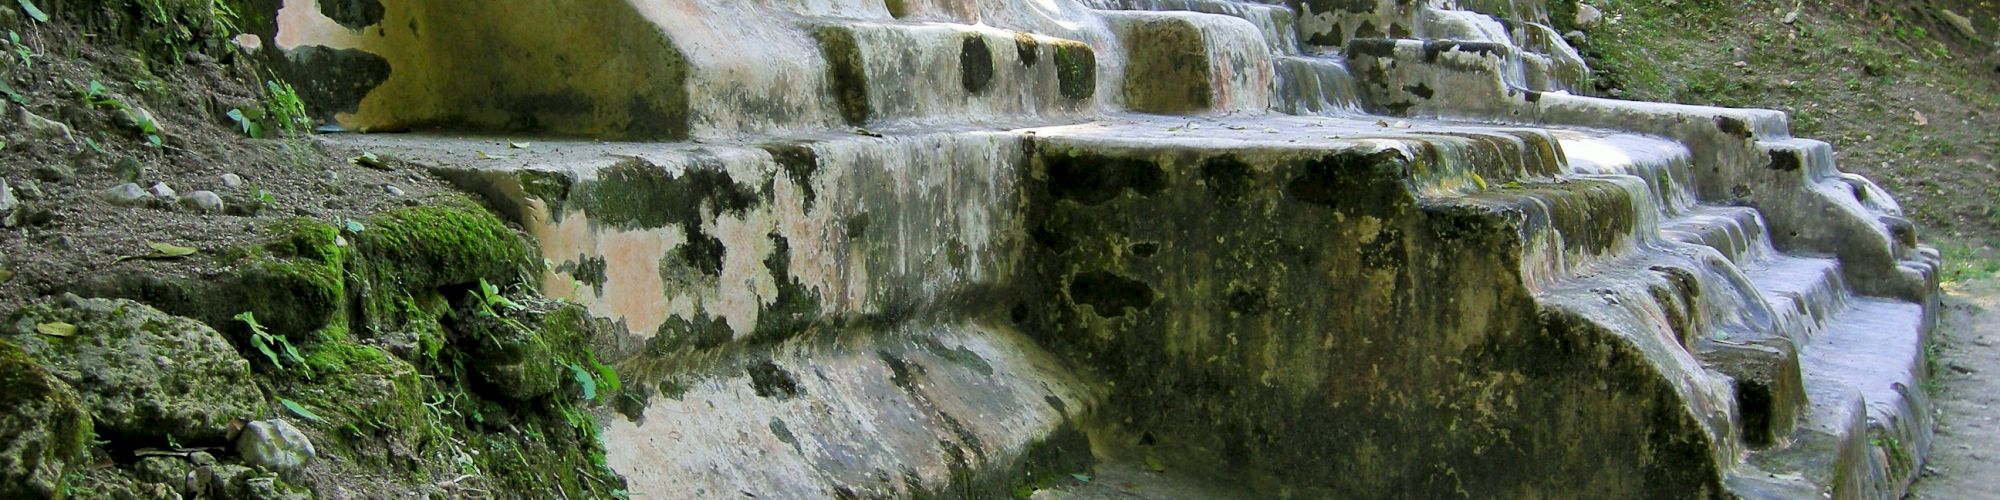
44	428
1170	72
844	71
1076	69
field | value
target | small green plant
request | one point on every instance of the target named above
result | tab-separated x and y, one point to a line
282	111
96	95
285	107
26	55
269	344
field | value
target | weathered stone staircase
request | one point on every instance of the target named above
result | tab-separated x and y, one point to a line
1312	248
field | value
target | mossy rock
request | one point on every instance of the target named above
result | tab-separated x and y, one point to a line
366	387
144	374
295	285
45	430
403	255
524	353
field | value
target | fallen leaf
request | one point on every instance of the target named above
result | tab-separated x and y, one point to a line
1081	477
355	226
369	160
1919	116
167	250
56	329
488	156
1153	464
301	411
518	145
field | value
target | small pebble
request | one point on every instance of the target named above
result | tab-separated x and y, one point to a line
161	190
393	190
232	181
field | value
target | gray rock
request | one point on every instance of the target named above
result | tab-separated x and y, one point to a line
392	190
127	195
203	201
173	472
1588	16
142	372
276	445
42	128
163	192
232	181
7	200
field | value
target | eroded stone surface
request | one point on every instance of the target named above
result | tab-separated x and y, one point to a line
144	375
894	237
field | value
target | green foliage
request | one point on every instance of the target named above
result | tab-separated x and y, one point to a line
22	52
583	379
265	342
96	95
301	411
282	111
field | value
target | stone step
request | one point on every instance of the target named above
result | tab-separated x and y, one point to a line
1869	423
1275	22
1192	63
1314	85
953	73
1805	292
965	409
1737	232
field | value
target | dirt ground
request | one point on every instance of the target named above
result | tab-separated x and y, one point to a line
60	231
1965	457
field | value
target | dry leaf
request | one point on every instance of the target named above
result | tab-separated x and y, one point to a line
1919	117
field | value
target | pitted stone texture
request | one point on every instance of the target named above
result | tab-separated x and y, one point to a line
143	374
276	445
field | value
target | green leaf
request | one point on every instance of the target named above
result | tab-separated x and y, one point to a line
56	329
33	11
264	346
1153	464
249	126
355	226
583	379
291	352
168	251
301	411
13	95
1081	477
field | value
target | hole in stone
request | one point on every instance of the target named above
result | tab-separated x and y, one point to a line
1146	249
1110	295
975	64
1754	399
